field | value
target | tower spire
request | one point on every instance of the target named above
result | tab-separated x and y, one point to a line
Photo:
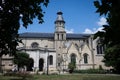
59	23
59	17
60	33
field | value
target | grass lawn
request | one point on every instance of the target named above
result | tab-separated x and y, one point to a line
67	77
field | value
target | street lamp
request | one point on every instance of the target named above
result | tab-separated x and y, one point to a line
47	59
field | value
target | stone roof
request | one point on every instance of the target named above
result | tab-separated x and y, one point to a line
51	35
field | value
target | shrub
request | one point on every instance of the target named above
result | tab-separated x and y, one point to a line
91	71
71	67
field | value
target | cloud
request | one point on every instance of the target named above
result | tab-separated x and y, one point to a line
99	29
88	31
102	21
70	31
92	31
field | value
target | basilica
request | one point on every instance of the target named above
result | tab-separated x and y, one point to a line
54	51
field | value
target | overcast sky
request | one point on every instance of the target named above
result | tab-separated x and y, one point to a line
79	15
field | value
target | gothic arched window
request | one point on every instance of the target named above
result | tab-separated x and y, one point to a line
62	35
34	45
85	58
73	58
50	60
58	36
100	49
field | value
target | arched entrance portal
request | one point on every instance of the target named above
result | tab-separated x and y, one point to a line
41	64
30	65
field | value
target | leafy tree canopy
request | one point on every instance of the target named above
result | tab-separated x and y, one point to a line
11	13
112	57
21	59
111	9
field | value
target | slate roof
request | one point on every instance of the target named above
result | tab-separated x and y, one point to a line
51	35
77	36
36	35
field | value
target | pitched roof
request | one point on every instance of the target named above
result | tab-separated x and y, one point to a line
36	35
77	36
51	35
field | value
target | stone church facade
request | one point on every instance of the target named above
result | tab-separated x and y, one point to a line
54	51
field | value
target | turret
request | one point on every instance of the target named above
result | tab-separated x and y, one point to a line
60	33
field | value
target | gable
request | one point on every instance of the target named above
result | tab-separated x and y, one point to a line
72	48
86	49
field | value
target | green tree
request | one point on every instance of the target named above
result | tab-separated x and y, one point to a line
12	12
71	66
21	59
112	57
110	35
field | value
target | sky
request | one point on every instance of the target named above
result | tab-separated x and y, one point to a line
80	17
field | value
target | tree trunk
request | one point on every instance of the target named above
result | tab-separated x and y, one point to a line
0	64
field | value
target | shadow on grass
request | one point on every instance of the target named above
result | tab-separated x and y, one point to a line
17	79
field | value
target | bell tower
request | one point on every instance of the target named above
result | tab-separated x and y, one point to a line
59	37
60	33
